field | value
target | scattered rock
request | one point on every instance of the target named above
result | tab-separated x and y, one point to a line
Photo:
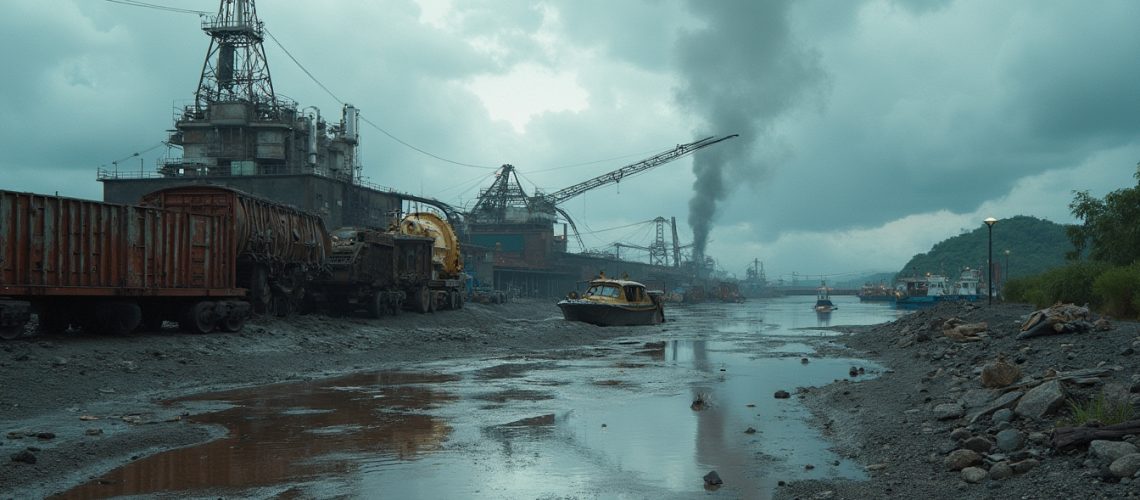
1110	450
24	456
960	434
960	459
803	361
782	394
750	430
1126	466
1006	400
1010	440
876	467
1000	470
95	431
1024	466
1041	400
713	479
978	444
1000	373
949	411
45	435
1002	416
974	474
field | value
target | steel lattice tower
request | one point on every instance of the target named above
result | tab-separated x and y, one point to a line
236	69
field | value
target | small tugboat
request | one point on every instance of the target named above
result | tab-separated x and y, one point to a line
612	302
823	299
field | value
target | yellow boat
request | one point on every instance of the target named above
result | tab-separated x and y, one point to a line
610	302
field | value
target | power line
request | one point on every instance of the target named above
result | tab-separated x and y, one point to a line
134	3
362	118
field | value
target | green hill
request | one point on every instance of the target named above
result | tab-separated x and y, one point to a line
1034	245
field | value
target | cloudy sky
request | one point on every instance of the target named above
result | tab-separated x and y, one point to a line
868	130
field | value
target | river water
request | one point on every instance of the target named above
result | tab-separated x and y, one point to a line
616	421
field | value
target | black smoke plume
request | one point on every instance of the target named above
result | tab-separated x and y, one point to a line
741	71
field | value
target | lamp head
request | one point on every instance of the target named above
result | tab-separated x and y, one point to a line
990	221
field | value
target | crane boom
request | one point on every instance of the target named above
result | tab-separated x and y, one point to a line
641	166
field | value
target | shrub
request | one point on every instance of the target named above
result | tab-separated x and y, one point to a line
1070	283
1118	290
1101	408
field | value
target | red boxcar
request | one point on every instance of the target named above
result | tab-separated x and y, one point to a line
112	267
278	248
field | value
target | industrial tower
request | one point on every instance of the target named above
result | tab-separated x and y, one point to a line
236	69
238	132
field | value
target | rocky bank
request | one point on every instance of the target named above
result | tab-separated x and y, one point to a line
930	426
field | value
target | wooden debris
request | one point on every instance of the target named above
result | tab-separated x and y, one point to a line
1060	318
1065	438
957	330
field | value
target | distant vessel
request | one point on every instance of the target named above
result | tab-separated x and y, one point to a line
969	285
877	292
823	302
935	288
610	302
924	290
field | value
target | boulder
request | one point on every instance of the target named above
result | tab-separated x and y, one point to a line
1040	400
1006	400
1125	466
1000	470
978	444
949	411
1111	450
960	459
1010	440
1000	373
974	474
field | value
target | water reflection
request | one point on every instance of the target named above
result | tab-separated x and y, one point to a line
292	432
617	425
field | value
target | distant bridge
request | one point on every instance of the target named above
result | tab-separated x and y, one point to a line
811	290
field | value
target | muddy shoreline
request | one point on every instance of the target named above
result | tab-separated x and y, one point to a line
84	404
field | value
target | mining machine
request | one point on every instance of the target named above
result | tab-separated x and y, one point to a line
506	204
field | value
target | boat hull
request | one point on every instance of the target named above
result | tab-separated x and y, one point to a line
611	314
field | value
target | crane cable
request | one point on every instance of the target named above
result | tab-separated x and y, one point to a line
362	118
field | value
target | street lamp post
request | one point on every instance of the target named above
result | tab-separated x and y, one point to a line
990	260
1005	270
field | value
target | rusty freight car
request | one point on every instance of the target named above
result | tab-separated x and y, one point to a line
111	268
378	271
278	248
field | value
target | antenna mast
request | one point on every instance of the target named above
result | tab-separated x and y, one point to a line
235	69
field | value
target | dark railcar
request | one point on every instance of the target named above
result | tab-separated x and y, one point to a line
378	271
110	267
278	248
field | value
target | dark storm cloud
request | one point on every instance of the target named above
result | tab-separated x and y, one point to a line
740	72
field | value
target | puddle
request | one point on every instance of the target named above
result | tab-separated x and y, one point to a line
292	432
622	425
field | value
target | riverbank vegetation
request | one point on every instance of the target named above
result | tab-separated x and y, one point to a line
1104	265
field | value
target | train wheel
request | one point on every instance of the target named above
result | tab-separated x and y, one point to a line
11	332
423	300
117	318
199	317
54	320
378	305
462	299
231	324
259	292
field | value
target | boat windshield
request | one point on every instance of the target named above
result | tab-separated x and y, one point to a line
604	291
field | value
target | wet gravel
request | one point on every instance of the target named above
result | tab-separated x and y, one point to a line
892	424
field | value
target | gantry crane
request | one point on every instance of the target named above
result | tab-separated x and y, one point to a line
505	201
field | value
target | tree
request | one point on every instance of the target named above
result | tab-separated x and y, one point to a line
1110	228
